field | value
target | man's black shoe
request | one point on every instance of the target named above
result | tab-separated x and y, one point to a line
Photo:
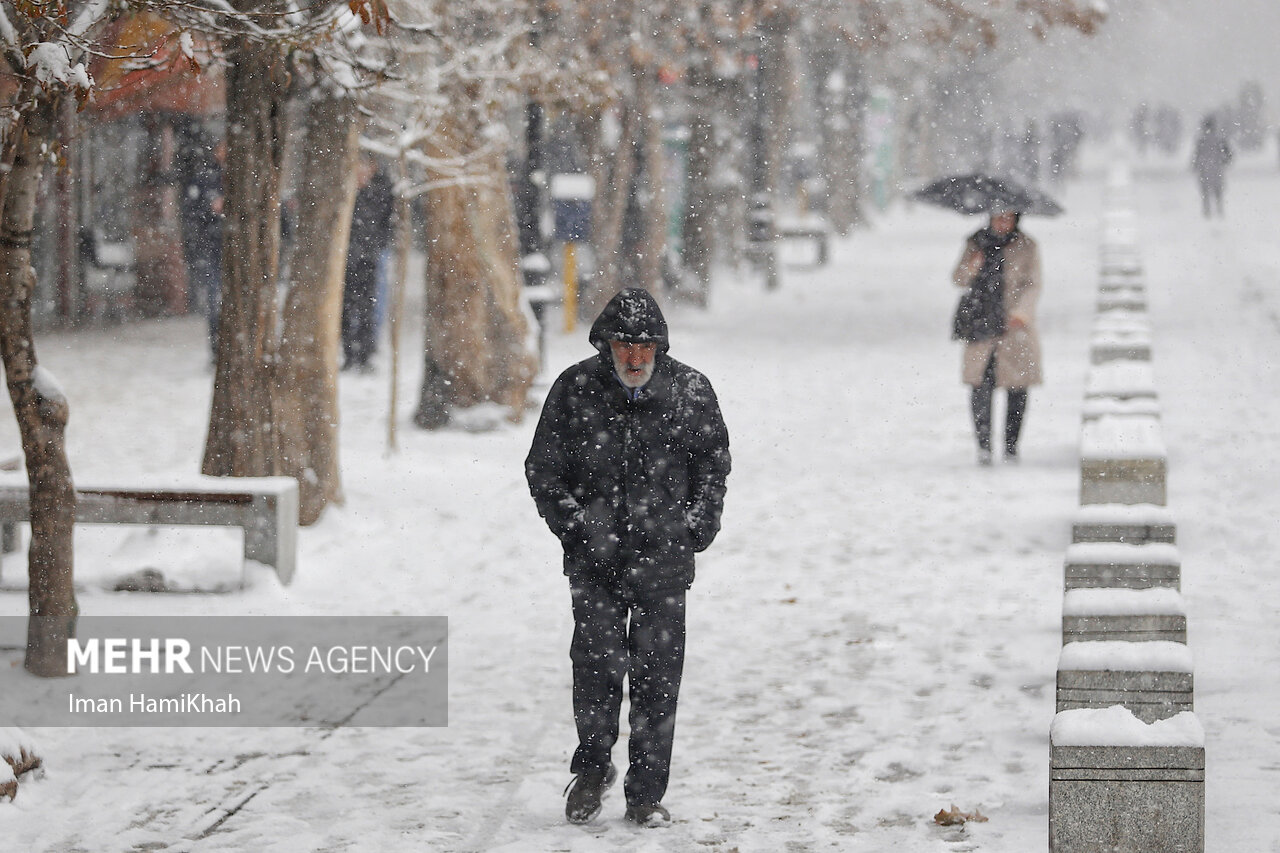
585	791
653	816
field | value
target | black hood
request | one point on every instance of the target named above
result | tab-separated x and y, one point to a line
633	316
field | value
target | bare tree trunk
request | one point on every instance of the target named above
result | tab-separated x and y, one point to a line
613	186
307	393
243	433
400	274
479	346
653	195
841	160
699	201
41	410
778	84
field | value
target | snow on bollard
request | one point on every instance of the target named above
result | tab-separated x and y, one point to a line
1100	407
1119	344
1122	458
1131	524
1119	232
1154	680
1116	783
1132	615
1124	378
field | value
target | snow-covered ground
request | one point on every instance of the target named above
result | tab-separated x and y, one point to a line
872	638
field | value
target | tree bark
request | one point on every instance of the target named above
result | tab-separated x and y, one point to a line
479	345
653	192
699	201
614	173
306	396
842	141
41	411
243	433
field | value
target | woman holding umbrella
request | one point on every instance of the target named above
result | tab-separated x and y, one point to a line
1001	269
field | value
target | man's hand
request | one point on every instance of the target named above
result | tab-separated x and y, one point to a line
1016	322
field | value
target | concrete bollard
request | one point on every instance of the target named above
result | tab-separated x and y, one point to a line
1117	784
1122	460
1126	298
1131	524
1113	277
1119	320
1154	680
1119	565
1132	615
1118	335
1119	348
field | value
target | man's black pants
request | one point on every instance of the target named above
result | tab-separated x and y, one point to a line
642	637
359	300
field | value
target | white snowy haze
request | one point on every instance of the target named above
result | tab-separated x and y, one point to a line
1192	54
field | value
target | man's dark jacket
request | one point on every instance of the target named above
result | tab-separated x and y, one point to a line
632	488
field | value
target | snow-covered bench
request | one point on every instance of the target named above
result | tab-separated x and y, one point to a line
1135	615
1116	783
1118	565
1154	679
108	270
1122	460
1132	524
265	508
810	227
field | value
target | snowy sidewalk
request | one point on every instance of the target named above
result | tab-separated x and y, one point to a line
872	638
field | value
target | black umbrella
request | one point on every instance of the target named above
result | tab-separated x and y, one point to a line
977	193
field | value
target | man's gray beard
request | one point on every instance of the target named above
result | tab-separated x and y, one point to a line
621	370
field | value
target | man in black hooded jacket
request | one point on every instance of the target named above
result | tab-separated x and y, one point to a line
628	468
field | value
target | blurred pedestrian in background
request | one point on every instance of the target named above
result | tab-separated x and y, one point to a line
199	165
1212	154
370	234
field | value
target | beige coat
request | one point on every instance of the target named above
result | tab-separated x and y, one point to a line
1017	350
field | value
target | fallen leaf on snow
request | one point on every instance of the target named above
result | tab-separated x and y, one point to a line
955	817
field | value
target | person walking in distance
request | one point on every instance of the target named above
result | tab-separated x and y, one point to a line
628	467
371	222
1001	265
1212	154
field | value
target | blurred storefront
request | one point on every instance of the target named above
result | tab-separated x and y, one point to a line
111	245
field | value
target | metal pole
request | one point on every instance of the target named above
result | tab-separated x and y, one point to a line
400	274
570	286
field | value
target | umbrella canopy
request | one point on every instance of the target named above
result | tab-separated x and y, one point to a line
977	193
